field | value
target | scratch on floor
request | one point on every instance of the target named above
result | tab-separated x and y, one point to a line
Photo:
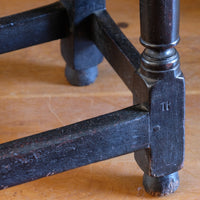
53	112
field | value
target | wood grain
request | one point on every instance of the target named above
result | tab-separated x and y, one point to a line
35	96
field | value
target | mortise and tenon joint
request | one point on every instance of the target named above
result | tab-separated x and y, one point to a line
153	127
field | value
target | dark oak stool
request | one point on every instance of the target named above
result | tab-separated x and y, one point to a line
153	127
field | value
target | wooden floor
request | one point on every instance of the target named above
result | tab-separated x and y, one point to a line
35	96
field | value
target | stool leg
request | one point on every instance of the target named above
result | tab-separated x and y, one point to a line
81	77
80	53
161	186
165	101
82	58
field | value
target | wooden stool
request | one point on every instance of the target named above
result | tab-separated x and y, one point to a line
153	128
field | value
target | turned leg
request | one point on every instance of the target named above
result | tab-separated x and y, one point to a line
160	68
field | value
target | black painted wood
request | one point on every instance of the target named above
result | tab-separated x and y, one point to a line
160	69
120	53
73	146
80	53
159	23
33	27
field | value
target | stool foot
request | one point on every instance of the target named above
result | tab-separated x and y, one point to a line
161	186
81	77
